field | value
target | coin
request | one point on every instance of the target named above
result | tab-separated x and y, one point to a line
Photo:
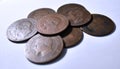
52	24
21	30
43	49
72	36
77	14
37	14
101	25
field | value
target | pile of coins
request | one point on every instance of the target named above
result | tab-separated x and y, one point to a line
48	32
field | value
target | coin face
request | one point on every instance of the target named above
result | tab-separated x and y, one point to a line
41	49
72	36
37	14
52	24
99	26
77	14
21	30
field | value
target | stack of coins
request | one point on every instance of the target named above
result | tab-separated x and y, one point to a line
48	32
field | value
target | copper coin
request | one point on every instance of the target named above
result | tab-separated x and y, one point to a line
21	30
100	26
37	14
77	14
72	36
42	49
52	24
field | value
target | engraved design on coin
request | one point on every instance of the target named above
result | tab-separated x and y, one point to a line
42	49
52	24
74	16
21	30
77	14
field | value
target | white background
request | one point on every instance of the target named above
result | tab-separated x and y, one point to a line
91	53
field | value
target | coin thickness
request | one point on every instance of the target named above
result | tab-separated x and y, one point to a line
52	24
100	26
37	14
42	49
77	14
73	37
21	30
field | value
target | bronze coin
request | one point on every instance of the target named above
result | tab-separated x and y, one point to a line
77	14
100	26
52	24
22	29
42	49
37	14
72	36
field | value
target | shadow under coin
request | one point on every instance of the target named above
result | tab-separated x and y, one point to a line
23	41
19	42
66	32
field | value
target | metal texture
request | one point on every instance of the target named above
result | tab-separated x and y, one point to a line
52	24
100	26
42	49
21	30
77	14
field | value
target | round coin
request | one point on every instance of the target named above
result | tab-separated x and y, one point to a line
42	49
77	14
52	24
37	14
100	26
72	36
21	30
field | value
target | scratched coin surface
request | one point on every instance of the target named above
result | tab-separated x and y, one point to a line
42	49
52	24
21	30
37	14
72	36
76	13
100	26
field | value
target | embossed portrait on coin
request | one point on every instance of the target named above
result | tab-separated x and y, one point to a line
23	29
42	48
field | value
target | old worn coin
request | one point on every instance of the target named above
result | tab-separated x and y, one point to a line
21	30
52	24
100	26
37	14
76	13
43	49
72	36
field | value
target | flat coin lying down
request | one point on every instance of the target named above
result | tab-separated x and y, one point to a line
41	49
100	26
37	14
72	37
77	14
52	24
21	30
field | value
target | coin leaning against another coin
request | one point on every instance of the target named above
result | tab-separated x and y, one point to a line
100	26
21	30
42	49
